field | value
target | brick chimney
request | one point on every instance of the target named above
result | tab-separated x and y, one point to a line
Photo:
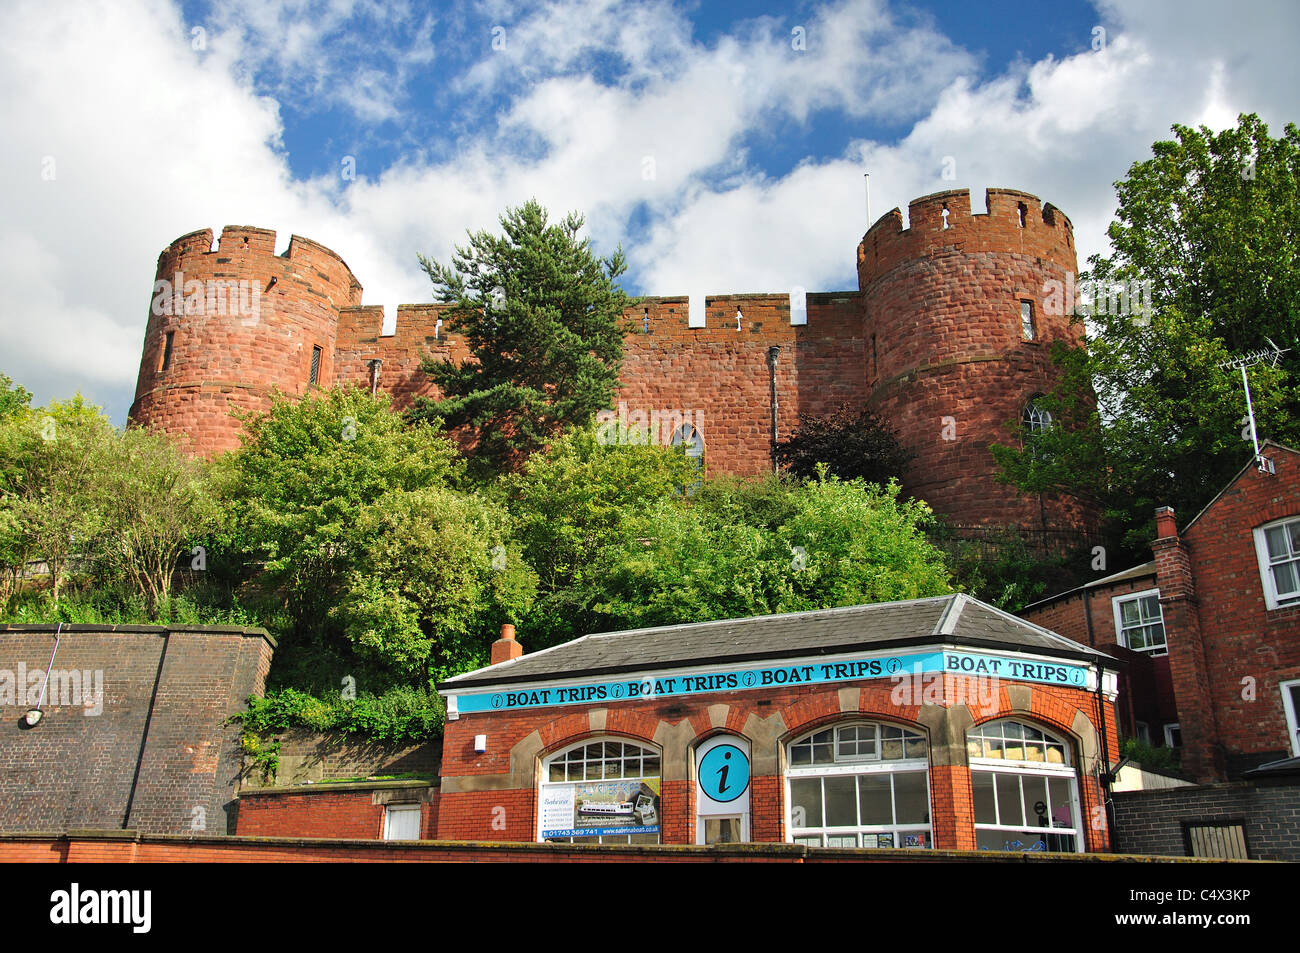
506	648
1202	758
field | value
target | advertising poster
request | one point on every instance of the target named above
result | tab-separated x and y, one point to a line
591	808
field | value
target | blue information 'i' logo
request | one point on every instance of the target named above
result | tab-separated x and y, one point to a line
724	773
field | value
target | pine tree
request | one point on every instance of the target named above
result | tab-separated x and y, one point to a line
542	316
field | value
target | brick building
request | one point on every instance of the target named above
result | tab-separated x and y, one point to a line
1210	627
947	336
931	723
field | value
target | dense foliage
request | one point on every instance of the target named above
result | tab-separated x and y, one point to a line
542	316
851	443
1211	226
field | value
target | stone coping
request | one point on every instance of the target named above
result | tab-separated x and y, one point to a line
52	627
335	786
615	852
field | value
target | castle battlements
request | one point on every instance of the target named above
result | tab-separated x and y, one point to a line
1013	222
944	338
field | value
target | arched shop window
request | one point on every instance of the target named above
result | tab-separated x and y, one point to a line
1025	789
859	784
600	792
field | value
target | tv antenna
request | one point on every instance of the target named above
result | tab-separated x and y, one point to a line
1271	355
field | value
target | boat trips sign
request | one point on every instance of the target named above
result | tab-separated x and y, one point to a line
1017	668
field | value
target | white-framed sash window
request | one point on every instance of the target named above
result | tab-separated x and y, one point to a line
1025	791
1277	547
859	784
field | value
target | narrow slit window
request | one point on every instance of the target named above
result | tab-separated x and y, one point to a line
1027	320
1020	213
167	353
315	365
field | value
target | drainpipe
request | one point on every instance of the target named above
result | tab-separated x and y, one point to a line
773	353
1106	780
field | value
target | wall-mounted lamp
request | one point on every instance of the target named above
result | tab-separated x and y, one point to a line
34	715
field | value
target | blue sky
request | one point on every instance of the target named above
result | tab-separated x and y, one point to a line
721	143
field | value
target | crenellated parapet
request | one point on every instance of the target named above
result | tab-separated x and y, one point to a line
946	338
228	324
1012	222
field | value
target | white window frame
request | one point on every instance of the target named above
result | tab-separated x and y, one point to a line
1028	326
1037	419
390	810
1289	708
544	783
1169	730
1143	731
1271	598
1155	650
1021	769
741	821
859	765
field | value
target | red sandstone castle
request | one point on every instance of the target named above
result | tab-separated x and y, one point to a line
947	337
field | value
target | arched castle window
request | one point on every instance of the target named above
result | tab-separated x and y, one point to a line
1026	794
600	792
859	784
1037	418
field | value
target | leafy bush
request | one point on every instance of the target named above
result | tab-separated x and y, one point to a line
1150	756
399	715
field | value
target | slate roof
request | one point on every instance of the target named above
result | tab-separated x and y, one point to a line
955	619
1136	572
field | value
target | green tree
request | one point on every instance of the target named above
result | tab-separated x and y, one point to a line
573	503
13	397
52	504
851	442
542	316
433	579
838	543
296	490
1211	227
156	501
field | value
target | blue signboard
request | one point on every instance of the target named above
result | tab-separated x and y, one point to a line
1067	674
724	773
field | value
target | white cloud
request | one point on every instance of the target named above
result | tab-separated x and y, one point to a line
153	139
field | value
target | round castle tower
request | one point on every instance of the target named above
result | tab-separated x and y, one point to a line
226	326
958	326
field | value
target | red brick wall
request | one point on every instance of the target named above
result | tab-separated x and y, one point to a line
225	361
349	813
469	815
1145	687
1243	639
721	373
128	847
950	365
